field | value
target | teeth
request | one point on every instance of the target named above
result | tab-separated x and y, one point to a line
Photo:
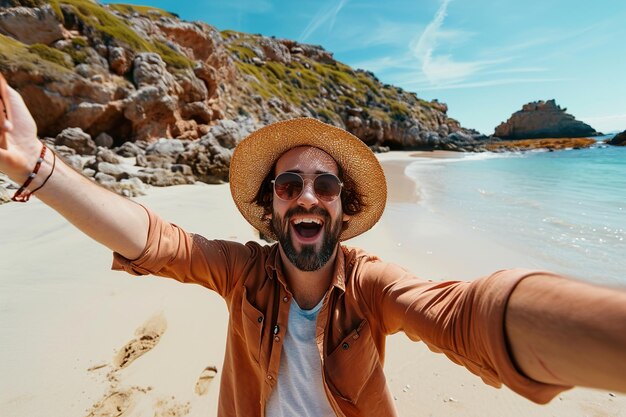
307	220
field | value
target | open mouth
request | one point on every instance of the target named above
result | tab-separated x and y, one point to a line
307	228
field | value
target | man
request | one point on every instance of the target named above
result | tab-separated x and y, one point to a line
309	316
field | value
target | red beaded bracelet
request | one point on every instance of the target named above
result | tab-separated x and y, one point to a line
20	196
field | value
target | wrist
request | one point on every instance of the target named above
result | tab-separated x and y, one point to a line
41	172
45	170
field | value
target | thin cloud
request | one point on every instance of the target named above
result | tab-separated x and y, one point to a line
386	33
327	15
517	70
488	83
441	69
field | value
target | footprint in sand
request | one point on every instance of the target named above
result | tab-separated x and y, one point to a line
205	379
115	404
147	336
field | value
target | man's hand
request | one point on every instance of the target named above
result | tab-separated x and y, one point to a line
19	147
116	222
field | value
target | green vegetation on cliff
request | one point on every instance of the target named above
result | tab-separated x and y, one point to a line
35	58
109	27
327	87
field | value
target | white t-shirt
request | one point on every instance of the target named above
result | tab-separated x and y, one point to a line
299	390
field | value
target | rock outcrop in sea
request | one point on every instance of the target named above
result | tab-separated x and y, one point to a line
543	119
618	140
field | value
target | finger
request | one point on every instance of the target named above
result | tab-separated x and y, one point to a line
5	127
4	111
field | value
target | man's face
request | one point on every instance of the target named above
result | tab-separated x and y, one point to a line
307	228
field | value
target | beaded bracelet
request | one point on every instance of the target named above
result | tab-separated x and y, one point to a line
20	196
54	164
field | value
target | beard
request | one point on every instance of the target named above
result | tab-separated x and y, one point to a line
308	258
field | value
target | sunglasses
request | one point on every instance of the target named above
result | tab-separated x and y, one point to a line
289	185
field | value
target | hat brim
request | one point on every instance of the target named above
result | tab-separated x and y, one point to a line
256	154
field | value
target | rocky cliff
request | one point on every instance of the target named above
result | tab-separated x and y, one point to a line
130	73
543	119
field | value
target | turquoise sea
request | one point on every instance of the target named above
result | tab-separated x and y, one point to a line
566	209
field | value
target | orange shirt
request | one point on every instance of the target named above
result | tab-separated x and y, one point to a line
368	300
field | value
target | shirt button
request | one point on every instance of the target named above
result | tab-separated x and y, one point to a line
345	346
285	299
260	319
269	377
277	338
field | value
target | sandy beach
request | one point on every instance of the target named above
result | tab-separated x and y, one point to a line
81	340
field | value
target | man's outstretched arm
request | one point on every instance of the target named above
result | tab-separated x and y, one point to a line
566	332
110	219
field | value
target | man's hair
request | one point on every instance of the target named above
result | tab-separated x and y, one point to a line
351	201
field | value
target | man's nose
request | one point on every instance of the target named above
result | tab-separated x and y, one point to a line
308	198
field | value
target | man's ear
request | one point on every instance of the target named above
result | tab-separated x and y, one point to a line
346	217
267	216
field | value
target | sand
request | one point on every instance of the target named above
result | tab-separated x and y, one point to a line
80	340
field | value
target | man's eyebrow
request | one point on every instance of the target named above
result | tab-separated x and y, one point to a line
299	171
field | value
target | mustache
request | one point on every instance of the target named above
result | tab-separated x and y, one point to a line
319	211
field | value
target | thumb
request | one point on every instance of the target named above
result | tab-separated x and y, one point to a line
21	122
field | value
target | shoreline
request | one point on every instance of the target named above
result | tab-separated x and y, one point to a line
65	315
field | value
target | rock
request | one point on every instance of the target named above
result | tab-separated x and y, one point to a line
149	70
227	133
63	150
120	60
132	187
107	155
169	147
129	149
208	159
618	140
75	161
103	178
32	25
198	111
104	140
209	76
75	138
432	139
543	119
155	161
550	144
5	197
183	169
116	171
151	112
258	61
160	177
274	50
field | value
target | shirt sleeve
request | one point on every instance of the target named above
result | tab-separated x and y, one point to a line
172	252
463	320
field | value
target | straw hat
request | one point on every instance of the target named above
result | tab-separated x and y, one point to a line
256	154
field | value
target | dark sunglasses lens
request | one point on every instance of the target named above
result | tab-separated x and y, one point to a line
327	187
288	186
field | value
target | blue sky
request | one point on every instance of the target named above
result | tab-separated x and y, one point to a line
484	58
